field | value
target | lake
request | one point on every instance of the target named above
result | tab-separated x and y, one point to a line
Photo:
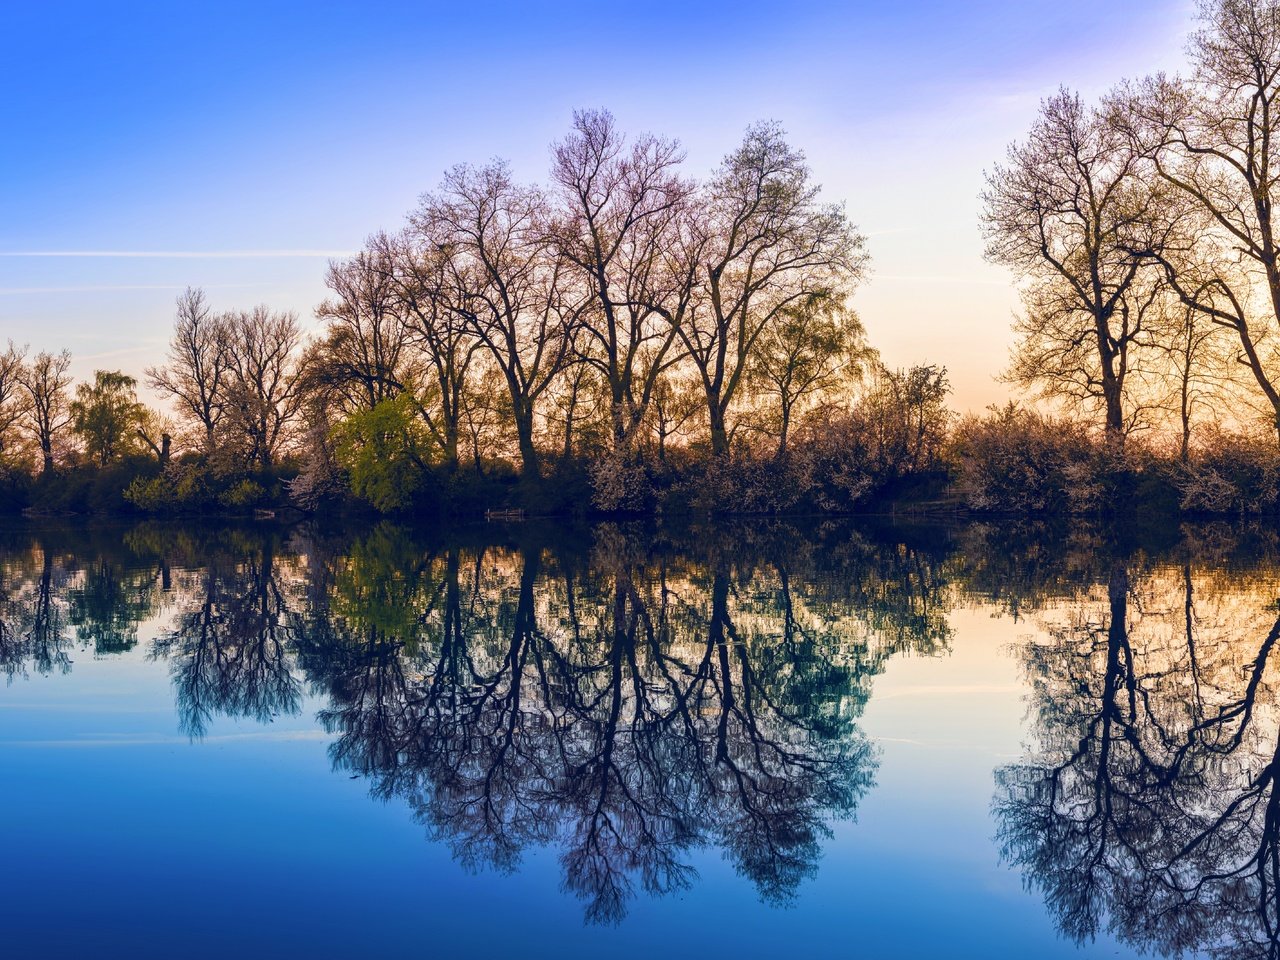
863	740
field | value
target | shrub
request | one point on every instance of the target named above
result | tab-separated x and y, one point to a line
1230	473
1014	460
246	493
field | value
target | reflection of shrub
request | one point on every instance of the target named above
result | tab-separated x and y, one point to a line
1230	473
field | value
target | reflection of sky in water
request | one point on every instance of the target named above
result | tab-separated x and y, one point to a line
125	838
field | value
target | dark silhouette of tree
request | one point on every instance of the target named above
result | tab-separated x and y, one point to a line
1073	213
1211	139
615	708
107	602
770	244
45	379
362	357
33	618
13	397
445	342
507	282
198	373
622	220
265	391
230	646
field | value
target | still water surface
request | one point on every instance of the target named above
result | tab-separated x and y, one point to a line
744	741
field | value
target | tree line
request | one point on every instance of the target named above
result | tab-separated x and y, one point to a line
616	310
619	323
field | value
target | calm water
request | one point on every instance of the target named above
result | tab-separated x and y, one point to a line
890	742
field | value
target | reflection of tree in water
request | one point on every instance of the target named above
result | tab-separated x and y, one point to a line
629	708
1150	804
229	646
33	617
106	603
628	705
46	589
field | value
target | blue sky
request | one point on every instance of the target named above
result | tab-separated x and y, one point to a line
237	145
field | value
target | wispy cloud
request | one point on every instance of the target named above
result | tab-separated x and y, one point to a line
113	287
180	254
904	278
122	352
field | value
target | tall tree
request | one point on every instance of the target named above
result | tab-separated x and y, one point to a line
1212	138
1195	373
265	395
198	372
13	397
623	221
364	348
770	243
1072	213
46	381
506	279
810	347
443	342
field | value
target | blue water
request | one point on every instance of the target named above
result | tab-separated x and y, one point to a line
136	824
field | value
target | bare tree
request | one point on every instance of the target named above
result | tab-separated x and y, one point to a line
623	222
1212	138
770	243
198	372
444	343
576	402
505	278
265	395
46	380
1071	212
1195	373
13	397
362	354
675	402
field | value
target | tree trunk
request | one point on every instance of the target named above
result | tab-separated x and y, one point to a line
566	452
783	429
528	452
719	435
450	448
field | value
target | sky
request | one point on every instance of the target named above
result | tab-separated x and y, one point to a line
238	146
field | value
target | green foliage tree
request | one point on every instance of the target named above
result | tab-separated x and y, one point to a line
807	350
106	415
384	451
